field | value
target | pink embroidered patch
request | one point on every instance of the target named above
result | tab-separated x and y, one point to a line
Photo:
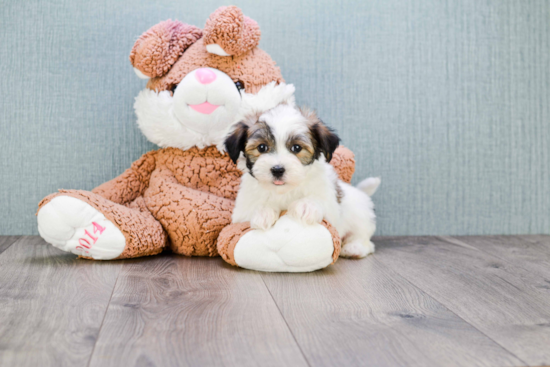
84	244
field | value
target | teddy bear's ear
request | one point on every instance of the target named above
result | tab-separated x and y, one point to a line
228	32
157	50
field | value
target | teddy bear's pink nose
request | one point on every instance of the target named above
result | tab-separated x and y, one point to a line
205	76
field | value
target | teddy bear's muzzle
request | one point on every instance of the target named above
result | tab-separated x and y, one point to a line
206	99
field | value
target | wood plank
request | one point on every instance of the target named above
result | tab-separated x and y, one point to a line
174	311
51	304
361	313
532	252
504	301
7	241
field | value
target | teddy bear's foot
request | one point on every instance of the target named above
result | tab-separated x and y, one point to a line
288	246
74	226
357	249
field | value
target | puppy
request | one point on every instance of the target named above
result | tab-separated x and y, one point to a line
286	167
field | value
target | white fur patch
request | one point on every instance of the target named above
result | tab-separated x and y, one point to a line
216	49
168	121
357	249
264	218
267	98
140	74
369	185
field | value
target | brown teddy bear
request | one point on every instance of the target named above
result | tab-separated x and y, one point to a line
201	83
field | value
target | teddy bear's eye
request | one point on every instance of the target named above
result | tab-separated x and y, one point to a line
239	85
296	148
262	148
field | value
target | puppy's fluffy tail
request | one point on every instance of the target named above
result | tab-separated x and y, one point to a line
369	185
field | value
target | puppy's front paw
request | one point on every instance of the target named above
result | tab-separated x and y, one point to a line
307	211
264	219
357	249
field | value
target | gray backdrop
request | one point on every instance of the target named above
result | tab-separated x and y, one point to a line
446	100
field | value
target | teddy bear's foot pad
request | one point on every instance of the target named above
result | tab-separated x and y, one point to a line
288	246
73	225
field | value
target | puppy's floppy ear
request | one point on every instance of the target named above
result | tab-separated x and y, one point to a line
325	139
236	142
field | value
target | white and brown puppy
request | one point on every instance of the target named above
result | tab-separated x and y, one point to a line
285	161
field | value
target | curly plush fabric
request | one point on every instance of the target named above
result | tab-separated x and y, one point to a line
343	161
254	68
170	197
231	30
157	50
129	185
335	239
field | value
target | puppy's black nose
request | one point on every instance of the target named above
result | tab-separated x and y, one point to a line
278	171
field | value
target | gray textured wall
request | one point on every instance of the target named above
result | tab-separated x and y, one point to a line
447	100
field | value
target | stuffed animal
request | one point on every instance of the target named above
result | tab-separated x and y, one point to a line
180	197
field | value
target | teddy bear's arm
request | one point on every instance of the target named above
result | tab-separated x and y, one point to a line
343	161
131	183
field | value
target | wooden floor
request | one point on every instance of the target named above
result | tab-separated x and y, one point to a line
418	301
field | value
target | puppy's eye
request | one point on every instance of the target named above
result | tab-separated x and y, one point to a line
239	85
173	89
262	148
296	148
